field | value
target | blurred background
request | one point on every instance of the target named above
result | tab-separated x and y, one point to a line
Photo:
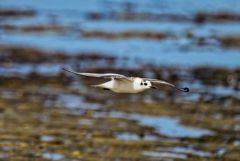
48	114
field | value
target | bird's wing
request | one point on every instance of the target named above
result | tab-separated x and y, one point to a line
126	79
97	75
157	81
160	82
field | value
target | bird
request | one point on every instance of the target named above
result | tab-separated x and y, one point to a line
122	84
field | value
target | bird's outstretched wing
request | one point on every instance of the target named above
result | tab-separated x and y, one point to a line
97	75
157	81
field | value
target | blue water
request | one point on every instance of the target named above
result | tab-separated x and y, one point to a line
160	53
171	51
161	6
170	127
177	152
53	156
127	136
167	126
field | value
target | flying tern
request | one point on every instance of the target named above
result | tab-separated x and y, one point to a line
122	84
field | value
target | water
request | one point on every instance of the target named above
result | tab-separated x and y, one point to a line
186	150
170	127
74	102
163	53
164	155
179	50
127	136
53	156
163	6
164	125
20	69
177	152
47	138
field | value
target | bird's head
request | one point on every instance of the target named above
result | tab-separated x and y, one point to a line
142	84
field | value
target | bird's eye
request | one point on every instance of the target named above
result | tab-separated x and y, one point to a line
141	83
145	84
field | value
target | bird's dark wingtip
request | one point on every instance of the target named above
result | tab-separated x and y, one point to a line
185	89
66	69
63	68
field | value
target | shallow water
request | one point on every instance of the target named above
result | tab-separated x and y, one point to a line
166	126
170	127
142	5
164	155
186	150
179	50
126	136
155	52
177	152
74	102
53	156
